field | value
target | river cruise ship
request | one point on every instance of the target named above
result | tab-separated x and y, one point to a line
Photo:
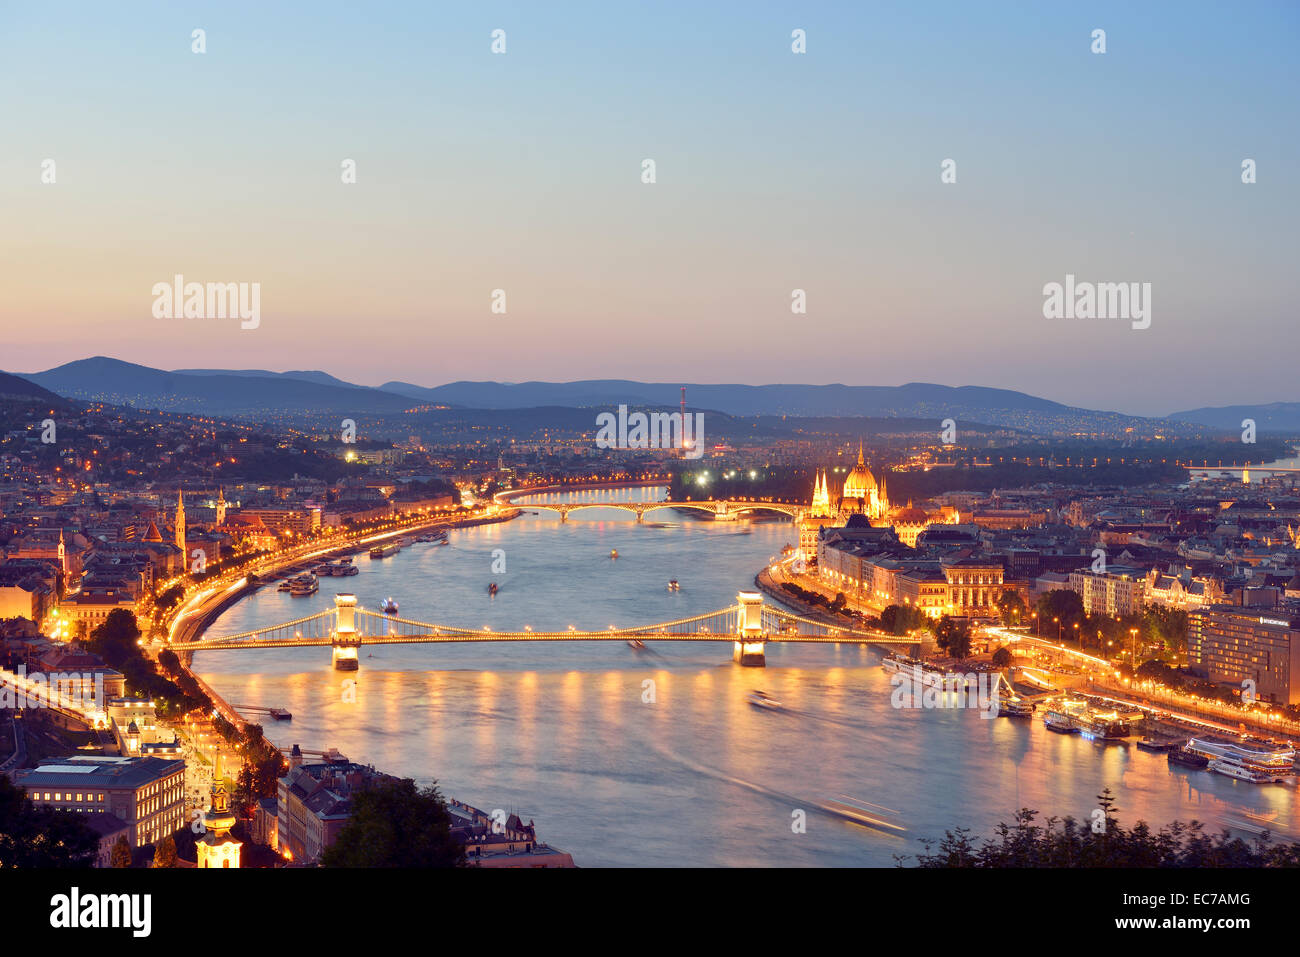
1255	762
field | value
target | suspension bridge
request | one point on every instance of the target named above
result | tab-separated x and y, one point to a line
750	624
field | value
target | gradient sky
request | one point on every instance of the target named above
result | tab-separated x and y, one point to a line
775	172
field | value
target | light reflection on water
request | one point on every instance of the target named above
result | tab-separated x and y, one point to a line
560	732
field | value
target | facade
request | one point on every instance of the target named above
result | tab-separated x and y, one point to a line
1116	592
1231	644
974	587
147	794
314	802
134	727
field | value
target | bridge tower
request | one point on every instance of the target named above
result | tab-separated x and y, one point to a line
346	640
750	641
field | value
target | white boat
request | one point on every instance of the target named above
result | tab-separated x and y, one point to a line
389	607
1259	765
761	699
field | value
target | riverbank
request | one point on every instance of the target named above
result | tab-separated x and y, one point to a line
765	583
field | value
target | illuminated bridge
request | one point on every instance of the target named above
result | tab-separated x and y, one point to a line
749	623
722	509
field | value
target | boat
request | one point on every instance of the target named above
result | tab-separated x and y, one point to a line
761	699
385	551
1188	759
859	812
389	607
1062	722
280	714
1156	745
613	553
1102	725
438	537
324	569
340	569
1257	764
492	588
672	585
1015	708
636	643
304	585
284	585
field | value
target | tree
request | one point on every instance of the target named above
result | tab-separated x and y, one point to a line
953	636
1059	603
116	639
395	824
38	837
1067	842
900	619
121	853
1002	658
1012	607
164	854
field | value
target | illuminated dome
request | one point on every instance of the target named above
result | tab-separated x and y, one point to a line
860	483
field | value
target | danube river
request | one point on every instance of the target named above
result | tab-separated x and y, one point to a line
563	733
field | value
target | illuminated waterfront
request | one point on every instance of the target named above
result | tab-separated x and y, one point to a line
560	732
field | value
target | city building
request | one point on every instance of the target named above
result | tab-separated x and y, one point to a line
147	794
1118	591
1232	644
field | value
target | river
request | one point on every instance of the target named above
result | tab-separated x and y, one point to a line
564	734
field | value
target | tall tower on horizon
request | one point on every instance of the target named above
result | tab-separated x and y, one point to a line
221	506
180	520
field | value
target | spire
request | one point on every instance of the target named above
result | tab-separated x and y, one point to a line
860	460
180	520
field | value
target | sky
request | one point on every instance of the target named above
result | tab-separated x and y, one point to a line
774	171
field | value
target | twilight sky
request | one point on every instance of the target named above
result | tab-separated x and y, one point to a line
775	171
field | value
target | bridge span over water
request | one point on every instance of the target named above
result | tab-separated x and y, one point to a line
750	624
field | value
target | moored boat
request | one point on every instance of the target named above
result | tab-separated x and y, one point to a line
1188	759
304	585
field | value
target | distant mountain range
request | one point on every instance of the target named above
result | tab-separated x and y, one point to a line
1270	417
248	394
18	388
260	394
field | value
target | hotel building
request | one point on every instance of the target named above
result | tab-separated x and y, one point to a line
1230	644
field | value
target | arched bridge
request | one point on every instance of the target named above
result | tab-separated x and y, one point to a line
749	623
728	508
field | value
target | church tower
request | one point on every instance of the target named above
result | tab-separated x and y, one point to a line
217	848
221	506
63	554
180	520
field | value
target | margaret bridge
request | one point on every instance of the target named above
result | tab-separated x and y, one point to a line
720	508
750	624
